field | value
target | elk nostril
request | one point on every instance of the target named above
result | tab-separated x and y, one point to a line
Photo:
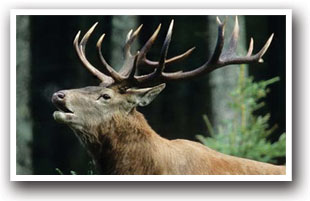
60	95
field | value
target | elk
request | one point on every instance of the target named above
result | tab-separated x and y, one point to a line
118	137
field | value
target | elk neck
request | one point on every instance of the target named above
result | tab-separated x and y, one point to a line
125	145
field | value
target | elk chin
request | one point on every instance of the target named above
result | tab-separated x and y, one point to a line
64	117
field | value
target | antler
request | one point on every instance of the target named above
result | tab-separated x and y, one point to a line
126	76
127	72
80	50
146	62
218	59
142	60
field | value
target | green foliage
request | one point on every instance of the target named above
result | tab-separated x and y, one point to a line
90	171
246	134
59	171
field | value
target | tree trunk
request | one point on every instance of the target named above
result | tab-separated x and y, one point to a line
23	115
120	28
223	81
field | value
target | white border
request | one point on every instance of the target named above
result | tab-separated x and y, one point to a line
287	177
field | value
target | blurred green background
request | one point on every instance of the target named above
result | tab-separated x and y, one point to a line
46	63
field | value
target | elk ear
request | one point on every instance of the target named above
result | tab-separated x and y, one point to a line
145	96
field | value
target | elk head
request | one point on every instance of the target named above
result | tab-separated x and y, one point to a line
121	92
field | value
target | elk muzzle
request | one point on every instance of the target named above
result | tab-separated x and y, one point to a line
64	114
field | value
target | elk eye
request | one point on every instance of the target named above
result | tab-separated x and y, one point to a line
105	96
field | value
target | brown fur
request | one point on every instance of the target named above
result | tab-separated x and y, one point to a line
128	145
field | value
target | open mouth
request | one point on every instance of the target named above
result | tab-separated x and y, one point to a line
63	115
63	108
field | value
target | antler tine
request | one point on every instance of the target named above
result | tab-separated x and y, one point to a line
128	35
147	46
130	38
163	55
234	39
181	56
261	53
219	44
164	50
86	36
175	59
131	75
129	58
251	47
249	58
80	50
107	68
143	61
